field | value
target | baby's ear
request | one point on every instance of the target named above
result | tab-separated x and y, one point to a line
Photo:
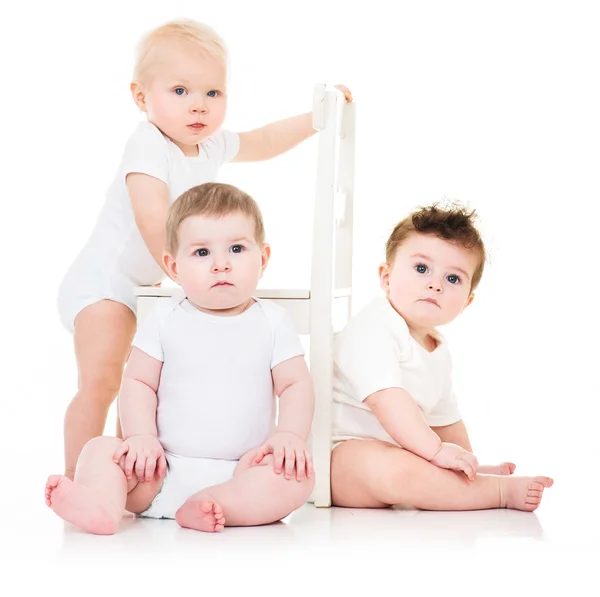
170	265
265	253
469	300
138	95
384	277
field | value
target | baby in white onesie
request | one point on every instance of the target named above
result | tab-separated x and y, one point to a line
180	84
399	437
198	399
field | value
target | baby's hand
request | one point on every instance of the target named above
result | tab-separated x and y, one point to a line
289	450
146	453
456	458
347	93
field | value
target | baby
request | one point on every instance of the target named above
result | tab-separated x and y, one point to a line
398	430
197	402
180	83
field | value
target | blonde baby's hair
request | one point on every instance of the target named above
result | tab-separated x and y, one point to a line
212	199
191	34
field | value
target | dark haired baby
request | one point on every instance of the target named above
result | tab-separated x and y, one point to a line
399	436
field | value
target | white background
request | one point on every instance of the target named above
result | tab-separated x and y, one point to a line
493	103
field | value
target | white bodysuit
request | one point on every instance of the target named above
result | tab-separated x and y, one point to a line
216	397
375	351
115	258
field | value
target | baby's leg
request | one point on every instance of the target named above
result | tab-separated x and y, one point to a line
95	501
374	474
504	468
255	495
103	335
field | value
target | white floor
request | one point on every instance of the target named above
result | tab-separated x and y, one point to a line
336	548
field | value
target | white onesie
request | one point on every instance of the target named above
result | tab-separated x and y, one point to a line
216	398
375	351
115	258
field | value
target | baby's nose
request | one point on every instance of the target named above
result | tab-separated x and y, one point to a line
221	266
199	106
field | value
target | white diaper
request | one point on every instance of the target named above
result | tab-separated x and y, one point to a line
85	284
185	477
338	440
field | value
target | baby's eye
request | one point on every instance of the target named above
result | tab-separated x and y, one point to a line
453	279
422	269
179	91
237	249
201	252
213	93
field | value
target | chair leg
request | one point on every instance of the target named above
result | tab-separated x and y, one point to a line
322	373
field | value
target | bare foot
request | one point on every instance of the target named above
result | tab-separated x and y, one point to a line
505	468
523	493
80	506
201	514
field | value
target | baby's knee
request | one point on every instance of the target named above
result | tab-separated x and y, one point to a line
248	460
99	391
102	446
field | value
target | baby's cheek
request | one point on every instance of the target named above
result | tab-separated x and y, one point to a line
219	116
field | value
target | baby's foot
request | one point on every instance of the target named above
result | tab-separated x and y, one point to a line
80	506
523	493
505	468
202	515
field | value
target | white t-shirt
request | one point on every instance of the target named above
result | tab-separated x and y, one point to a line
216	396
375	351
116	245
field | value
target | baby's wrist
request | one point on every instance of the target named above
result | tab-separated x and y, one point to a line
140	434
290	431
436	452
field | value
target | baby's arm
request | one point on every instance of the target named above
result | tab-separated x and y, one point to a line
402	418
137	412
278	137
150	202
455	434
294	387
137	397
274	139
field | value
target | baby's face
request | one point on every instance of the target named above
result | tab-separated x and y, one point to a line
185	95
429	280
218	263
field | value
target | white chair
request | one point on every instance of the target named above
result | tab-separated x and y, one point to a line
324	308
